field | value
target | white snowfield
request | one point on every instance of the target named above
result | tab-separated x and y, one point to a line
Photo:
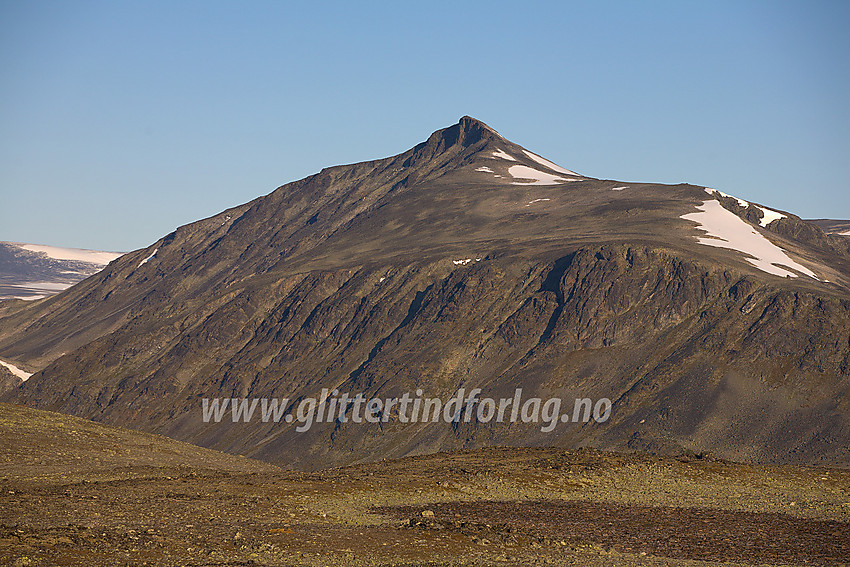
16	371
725	229
79	254
485	170
536	176
619	188
38	290
549	164
769	216
43	286
504	155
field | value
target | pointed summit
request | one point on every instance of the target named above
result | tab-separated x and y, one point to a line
467	132
471	129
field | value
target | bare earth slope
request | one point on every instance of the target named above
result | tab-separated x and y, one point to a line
46	447
465	262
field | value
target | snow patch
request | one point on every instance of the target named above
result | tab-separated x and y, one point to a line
464	262
16	371
619	188
43	286
769	216
545	162
504	155
145	261
725	229
79	254
485	170
537	201
845	233
538	177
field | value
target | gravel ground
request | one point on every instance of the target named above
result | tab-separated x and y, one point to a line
167	503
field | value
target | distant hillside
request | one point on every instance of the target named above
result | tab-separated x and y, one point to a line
35	271
833	226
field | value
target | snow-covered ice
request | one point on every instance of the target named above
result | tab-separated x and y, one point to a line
93	256
16	371
725	229
145	261
769	216
504	155
539	177
549	164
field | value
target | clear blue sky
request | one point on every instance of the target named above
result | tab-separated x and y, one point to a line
120	121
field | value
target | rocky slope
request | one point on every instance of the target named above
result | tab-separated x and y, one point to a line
469	262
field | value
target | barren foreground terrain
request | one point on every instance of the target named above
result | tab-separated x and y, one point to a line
73	492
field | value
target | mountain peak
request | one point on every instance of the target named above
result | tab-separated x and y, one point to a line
468	123
467	132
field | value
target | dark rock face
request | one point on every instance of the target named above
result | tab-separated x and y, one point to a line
422	271
8	381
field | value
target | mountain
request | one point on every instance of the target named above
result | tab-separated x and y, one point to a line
833	226
709	322
34	271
